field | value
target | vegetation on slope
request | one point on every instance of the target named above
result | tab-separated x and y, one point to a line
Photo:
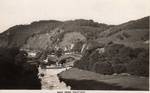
116	59
17	35
132	33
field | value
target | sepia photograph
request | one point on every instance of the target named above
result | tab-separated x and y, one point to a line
74	46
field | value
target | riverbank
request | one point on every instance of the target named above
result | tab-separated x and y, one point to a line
85	80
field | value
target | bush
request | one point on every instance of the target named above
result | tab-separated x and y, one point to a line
93	57
21	58
81	64
135	52
113	49
103	68
125	34
138	67
119	68
120	37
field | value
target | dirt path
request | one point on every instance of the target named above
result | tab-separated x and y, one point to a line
50	81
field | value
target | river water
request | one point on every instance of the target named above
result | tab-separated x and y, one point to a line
50	80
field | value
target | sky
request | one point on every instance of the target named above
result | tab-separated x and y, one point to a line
15	12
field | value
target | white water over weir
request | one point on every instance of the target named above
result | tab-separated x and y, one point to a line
50	80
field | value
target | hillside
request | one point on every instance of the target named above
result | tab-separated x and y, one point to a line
123	44
125	50
19	35
46	33
104	49
133	34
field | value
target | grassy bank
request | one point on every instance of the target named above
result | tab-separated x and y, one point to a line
85	80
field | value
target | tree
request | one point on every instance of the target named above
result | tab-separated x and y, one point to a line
21	58
103	68
119	68
59	52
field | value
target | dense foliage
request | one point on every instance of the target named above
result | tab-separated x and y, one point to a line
116	59
15	72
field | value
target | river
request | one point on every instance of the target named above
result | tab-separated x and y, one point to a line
50	80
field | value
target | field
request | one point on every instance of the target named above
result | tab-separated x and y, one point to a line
86	80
